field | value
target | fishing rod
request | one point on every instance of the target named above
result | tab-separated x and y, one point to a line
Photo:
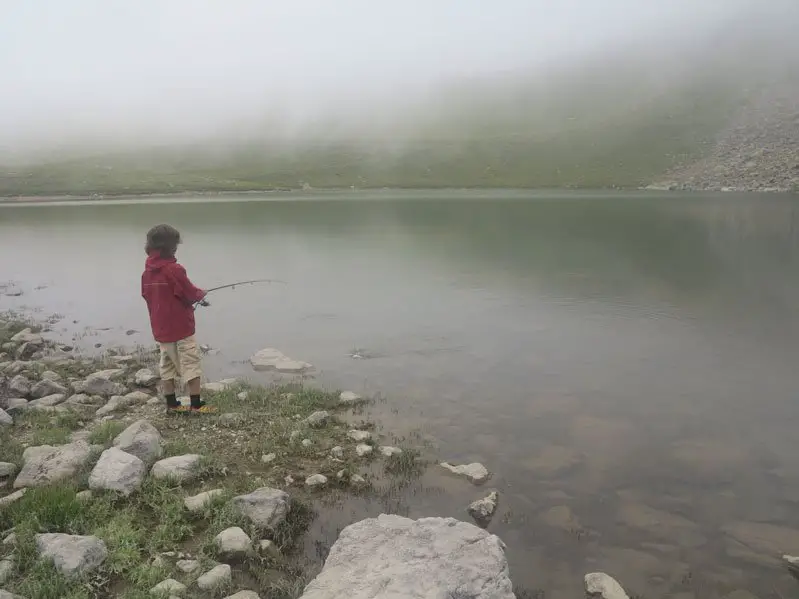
233	285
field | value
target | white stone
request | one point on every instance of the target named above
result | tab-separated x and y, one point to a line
197	503
47	387
269	457
216	577
475	472
316	480
392	556
337	452
180	468
103	383
141	439
233	543
239	595
51	376
357	435
307	442
145	377
269	549
10	540
483	509
15	404
137	397
9	499
273	359
243	395
187	565
20	386
264	507
46	464
357	479
5	418
318	419
72	555
349	397
599	584
167	587
389	451
362	449
117	402
7	595
118	471
47	401
84	496
6	570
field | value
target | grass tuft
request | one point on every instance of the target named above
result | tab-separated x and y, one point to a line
106	433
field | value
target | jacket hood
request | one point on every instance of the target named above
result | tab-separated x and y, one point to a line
155	261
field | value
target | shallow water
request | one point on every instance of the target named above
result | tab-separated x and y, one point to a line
624	364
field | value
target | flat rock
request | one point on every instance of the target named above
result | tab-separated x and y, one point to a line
27	336
392	556
141	439
13	497
349	397
362	449
118	471
7	595
52	376
389	451
145	377
117	402
46	464
239	595
135	397
5	418
475	472
357	435
84	496
215	578
187	566
6	570
20	386
233	543
268	458
197	503
220	386
72	555
483	509
10	540
104	383
47	387
561	516
318	419
81	399
600	585
170	586
273	359
316	480
48	401
13	405
7	469
264	507
180	468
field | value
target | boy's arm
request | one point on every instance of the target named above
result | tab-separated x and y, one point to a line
184	288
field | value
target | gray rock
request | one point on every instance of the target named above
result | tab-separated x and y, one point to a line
139	397
317	419
72	555
272	359
219	386
103	383
182	468
197	503
215	578
269	549
9	499
391	556
27	336
268	458
84	496
19	386
118	471
307	442
483	509
81	399
187	566
10	540
145	378
475	472
243	395
239	595
357	435
46	464
48	401
264	507
599	584
52	376
7	595
6	570
362	449
337	452
47	387
141	439
316	480
389	451
117	402
348	398
170	586
7	469
16	404
5	418
233	543
231	419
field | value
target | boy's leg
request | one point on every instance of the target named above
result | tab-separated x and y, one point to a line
191	369
169	373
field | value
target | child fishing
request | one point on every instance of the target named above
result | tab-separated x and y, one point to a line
171	298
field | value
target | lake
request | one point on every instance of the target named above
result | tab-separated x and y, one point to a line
625	364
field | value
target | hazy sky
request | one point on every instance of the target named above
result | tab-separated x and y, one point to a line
107	69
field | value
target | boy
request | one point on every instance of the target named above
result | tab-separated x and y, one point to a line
170	298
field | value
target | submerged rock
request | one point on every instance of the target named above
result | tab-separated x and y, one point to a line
72	555
118	471
7	469
475	472
141	439
273	359
48	464
483	509
389	451
599	585
264	507
349	397
392	556
180	468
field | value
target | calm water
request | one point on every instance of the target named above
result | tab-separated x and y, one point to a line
624	364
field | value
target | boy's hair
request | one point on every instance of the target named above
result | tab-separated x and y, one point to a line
164	238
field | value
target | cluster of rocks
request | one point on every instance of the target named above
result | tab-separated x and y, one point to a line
758	151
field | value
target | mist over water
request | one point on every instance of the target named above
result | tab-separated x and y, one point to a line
89	76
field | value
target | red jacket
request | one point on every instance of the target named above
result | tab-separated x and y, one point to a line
170	297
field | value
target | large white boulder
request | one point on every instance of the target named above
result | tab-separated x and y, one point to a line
603	586
46	464
104	383
273	359
392	556
71	554
119	471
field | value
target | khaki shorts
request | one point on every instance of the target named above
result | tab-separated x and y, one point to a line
180	360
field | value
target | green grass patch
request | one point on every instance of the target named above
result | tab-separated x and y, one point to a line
43	428
106	433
